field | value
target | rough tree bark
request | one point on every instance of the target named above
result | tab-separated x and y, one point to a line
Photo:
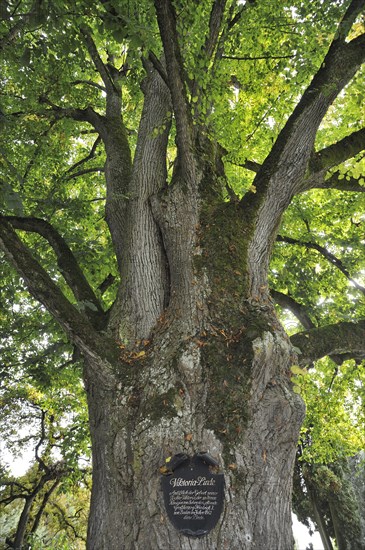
192	356
214	374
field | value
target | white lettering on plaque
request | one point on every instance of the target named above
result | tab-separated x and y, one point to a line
193	503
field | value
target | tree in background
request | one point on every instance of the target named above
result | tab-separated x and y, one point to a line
150	154
328	485
47	504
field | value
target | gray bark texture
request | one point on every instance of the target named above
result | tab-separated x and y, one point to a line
204	364
172	408
212	375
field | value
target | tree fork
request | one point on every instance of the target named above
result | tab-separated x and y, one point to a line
215	376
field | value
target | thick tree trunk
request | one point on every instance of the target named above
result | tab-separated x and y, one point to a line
214	376
192	397
204	364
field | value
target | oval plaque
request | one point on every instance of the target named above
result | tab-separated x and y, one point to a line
193	494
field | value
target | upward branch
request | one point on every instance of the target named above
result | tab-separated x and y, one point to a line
99	65
112	130
295	142
166	18
42	287
283	171
110	77
66	261
215	24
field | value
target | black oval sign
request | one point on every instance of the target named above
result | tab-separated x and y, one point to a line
193	496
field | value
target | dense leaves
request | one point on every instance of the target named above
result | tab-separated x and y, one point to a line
59	61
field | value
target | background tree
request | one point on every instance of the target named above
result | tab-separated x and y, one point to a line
327	483
47	503
150	153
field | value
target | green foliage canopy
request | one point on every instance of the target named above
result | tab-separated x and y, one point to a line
56	58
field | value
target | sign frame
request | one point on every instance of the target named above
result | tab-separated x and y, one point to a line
193	493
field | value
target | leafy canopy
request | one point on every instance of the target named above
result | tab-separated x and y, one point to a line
52	164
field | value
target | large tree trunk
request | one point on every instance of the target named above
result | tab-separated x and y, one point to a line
214	376
205	364
229	398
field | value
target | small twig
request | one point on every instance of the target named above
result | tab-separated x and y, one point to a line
326	254
254	58
90	83
90	156
99	169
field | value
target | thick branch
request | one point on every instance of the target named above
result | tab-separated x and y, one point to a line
83	115
118	162
209	48
44	503
51	474
66	262
336	262
99	65
22	523
287	302
338	152
149	169
215	24
338	181
41	286
282	173
166	18
331	156
143	270
341	338
339	66
114	134
354	9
